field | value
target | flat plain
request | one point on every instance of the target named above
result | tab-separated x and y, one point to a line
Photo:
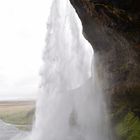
18	113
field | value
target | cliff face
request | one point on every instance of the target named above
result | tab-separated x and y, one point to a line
113	29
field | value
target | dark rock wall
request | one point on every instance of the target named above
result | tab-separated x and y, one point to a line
113	29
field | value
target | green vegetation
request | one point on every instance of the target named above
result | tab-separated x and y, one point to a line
20	115
19	118
129	127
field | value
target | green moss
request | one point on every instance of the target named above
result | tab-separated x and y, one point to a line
129	127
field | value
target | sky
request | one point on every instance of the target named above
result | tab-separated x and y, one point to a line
22	39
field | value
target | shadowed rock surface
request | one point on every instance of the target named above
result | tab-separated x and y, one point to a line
113	29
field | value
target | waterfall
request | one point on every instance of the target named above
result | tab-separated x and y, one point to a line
71	105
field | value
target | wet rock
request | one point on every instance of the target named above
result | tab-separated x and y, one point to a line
113	29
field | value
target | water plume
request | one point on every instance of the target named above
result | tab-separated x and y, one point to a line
71	105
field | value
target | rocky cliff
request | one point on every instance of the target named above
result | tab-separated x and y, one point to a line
113	29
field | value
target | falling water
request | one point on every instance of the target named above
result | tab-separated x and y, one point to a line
71	105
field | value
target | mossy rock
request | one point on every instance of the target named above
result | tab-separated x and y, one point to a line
129	127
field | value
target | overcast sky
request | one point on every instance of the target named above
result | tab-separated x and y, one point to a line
22	39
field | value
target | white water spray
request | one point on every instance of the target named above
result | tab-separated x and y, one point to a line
71	105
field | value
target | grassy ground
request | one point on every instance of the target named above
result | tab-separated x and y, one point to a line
19	113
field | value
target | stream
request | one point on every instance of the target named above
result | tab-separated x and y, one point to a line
9	131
